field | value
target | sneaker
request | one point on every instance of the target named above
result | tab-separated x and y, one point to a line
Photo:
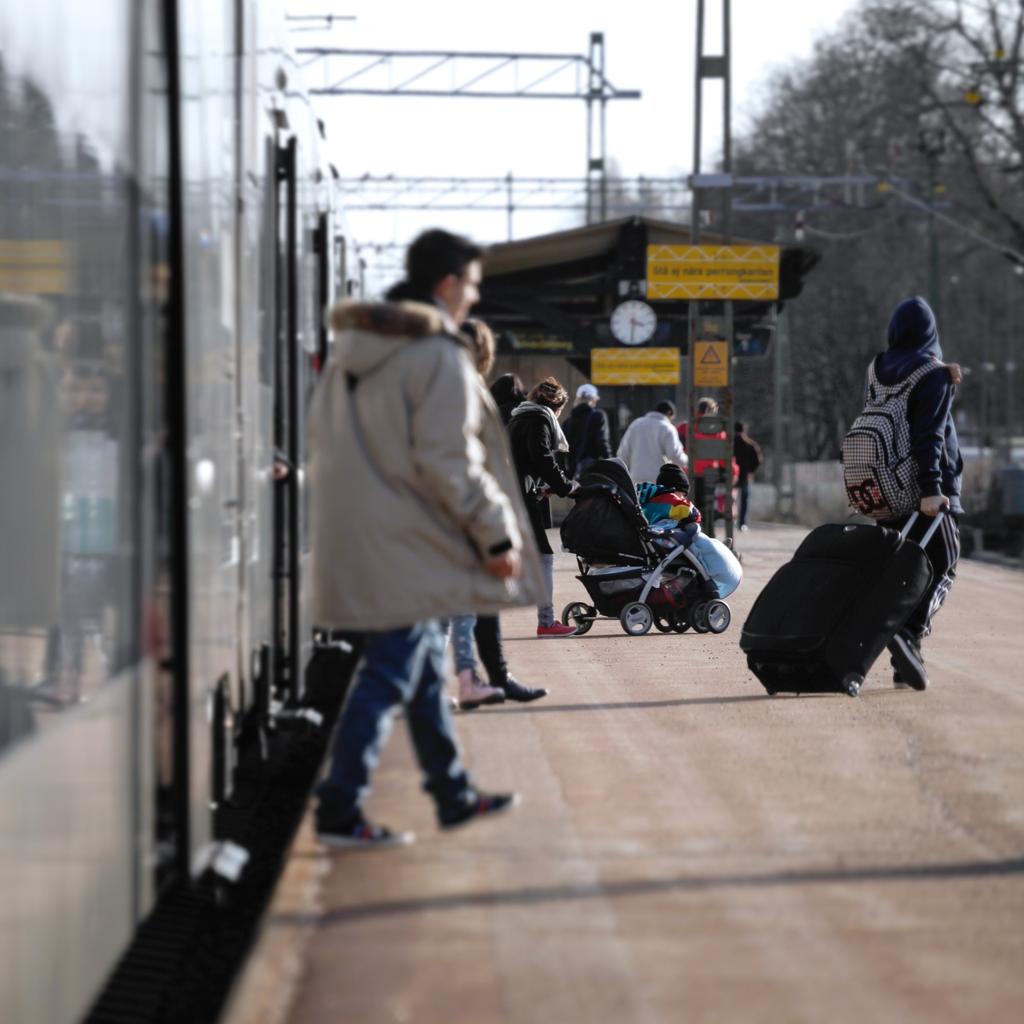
514	690
907	663
357	833
473	692
556	629
480	805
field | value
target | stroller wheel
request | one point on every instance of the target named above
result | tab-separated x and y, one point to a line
681	620
700	618
662	625
636	618
579	615
717	616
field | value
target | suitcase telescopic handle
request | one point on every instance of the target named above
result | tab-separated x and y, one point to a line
905	532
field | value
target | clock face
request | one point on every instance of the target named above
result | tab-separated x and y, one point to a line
633	322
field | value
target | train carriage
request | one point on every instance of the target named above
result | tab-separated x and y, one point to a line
168	239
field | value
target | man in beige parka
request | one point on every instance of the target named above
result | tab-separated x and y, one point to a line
415	516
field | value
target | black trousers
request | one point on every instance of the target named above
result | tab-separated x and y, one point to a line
943	552
487	634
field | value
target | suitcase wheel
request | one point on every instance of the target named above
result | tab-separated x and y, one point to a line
852	683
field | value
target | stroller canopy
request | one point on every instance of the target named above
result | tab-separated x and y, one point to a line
606	524
610	471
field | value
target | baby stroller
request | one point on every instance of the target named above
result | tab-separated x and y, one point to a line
663	576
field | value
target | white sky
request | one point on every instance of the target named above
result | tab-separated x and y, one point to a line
649	46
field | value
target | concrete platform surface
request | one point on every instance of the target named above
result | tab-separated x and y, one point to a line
689	849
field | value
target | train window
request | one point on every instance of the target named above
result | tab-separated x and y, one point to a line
68	360
340	265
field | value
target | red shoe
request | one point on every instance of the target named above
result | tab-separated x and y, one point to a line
556	629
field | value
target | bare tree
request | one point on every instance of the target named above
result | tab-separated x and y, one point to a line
968	88
925	95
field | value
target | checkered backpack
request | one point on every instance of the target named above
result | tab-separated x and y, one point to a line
878	469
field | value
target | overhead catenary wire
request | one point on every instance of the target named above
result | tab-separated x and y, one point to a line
1014	255
842	236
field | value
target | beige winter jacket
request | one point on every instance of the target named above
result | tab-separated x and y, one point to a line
410	480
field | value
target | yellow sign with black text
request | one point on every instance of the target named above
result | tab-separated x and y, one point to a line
34	266
739	272
634	366
710	364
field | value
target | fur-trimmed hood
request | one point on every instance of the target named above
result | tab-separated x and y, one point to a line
370	333
410	484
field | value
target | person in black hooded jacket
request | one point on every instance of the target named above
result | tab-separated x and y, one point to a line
586	431
538	450
913	342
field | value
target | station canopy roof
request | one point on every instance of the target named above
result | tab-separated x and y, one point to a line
564	285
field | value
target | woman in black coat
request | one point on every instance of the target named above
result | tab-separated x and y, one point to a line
538	451
507	392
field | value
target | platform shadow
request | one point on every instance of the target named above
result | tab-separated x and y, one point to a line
590	637
626	705
647	886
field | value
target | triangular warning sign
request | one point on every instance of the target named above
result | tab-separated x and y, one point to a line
710	356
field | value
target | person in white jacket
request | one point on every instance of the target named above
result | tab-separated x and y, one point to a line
650	441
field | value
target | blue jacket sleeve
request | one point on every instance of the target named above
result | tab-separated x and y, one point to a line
928	410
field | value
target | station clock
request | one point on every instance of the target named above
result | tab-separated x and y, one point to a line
633	322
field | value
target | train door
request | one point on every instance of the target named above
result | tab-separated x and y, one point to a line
322	253
165	605
287	634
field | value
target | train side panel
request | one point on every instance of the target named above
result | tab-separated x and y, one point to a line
80	225
207	40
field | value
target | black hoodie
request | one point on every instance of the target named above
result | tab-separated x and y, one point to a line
913	342
586	430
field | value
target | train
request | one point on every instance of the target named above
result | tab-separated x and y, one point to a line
169	239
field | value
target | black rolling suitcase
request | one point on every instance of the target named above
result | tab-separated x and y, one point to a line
825	616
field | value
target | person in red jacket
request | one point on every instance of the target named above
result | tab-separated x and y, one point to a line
712	469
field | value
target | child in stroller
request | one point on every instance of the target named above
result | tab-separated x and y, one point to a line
665	574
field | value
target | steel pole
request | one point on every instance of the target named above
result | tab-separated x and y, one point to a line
778	369
933	241
1011	365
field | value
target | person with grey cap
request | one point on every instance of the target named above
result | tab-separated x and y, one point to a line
586	430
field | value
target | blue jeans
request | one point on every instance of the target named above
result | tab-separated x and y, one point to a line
401	667
546	612
744	488
462	641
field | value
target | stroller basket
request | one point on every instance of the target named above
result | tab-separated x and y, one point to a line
613	588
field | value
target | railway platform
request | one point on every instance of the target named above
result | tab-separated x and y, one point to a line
687	849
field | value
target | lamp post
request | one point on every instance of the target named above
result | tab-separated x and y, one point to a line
931	143
1015	277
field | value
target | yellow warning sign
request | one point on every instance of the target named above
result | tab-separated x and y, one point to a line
34	266
710	364
634	365
739	272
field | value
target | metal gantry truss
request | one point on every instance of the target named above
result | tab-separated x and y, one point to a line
619	197
483	75
779	193
670	197
563	76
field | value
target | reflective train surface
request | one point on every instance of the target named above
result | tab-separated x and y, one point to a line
168	239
